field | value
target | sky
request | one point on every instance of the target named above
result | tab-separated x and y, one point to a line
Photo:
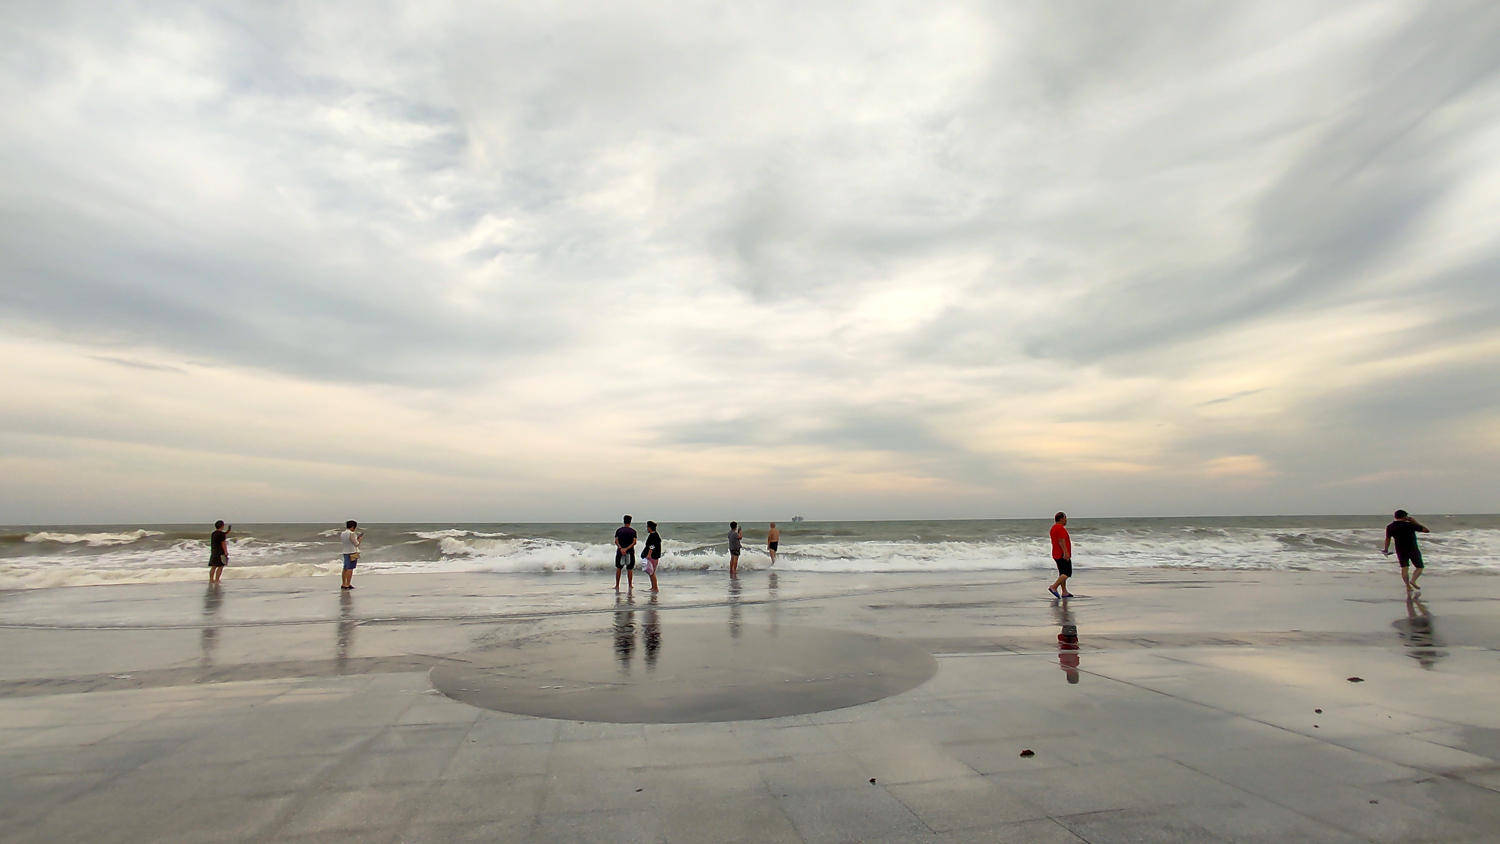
557	261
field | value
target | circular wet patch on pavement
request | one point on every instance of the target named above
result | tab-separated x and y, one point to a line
642	671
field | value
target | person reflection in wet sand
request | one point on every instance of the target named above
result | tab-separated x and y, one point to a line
212	600
652	634
1417	633
345	635
775	606
734	608
624	631
1067	640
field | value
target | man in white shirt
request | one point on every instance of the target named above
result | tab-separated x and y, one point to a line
350	541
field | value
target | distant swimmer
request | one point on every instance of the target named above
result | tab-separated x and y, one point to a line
651	556
625	554
349	541
1062	554
736	536
1404	532
773	541
218	551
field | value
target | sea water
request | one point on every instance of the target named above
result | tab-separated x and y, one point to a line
33	556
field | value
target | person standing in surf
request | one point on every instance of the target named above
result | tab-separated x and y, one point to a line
349	541
218	551
1404	531
773	541
651	554
625	553
1062	554
736	536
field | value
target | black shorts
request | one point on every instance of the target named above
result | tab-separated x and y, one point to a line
622	554
1064	566
772	545
1409	558
216	564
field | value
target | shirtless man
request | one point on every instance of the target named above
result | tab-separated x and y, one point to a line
773	540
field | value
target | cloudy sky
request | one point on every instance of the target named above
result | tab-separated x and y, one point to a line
553	261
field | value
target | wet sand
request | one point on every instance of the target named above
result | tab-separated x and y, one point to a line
758	709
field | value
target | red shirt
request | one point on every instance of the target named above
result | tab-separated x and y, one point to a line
1061	543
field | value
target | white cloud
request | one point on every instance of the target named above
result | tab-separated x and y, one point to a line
528	262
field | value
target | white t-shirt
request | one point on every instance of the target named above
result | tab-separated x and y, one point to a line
351	542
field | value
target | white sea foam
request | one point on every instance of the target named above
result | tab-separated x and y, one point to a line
30	577
92	539
456	533
54	558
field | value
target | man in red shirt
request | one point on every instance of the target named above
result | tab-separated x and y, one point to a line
1062	554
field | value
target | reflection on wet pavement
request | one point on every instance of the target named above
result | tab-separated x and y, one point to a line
1417	634
624	630
345	635
652	634
1067	639
213	599
734	607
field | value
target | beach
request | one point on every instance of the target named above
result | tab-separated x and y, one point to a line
1197	705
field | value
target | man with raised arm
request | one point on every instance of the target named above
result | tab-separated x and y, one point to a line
1403	531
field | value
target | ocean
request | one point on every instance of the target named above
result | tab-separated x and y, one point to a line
37	556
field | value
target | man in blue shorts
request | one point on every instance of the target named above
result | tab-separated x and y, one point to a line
349	541
1403	531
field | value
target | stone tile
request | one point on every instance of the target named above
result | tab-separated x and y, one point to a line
1044	831
623	826
506	829
970	801
744	819
708	785
513	798
1126	826
478	761
533	731
585	791
812	772
451	712
902	761
1292	770
382	809
851	814
604	754
23	798
1448	798
1255	820
1004	756
267	776
1416	753
1376	816
422	737
378	769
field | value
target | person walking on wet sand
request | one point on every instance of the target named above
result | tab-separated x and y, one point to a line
218	551
651	555
349	541
1062	554
625	553
736	536
773	541
1404	532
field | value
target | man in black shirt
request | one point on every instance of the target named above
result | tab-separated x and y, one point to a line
218	551
625	553
1404	532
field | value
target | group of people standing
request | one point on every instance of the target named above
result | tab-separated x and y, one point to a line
1402	532
626	539
349	542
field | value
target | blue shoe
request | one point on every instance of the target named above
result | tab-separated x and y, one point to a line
1054	592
